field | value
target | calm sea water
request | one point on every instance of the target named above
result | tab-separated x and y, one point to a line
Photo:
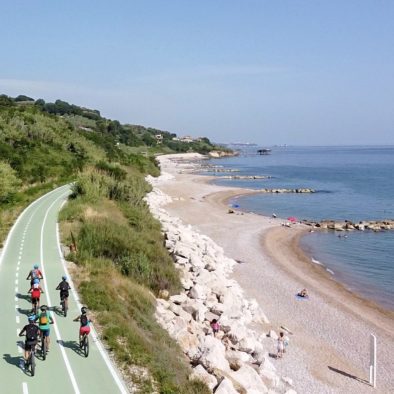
355	183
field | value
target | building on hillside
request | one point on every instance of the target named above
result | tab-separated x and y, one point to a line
159	138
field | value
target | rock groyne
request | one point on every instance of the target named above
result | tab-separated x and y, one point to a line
347	225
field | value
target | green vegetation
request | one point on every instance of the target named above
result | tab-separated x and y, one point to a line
121	261
117	246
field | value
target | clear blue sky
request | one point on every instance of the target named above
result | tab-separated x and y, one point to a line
273	72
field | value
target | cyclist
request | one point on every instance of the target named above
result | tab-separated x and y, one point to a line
44	319
85	323
36	292
35	273
64	287
31	331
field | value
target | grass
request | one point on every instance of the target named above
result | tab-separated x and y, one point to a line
121	264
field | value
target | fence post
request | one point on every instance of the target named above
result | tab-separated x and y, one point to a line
372	361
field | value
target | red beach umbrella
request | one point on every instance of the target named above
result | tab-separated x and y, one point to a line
292	219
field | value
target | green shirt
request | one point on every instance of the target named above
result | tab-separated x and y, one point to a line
49	318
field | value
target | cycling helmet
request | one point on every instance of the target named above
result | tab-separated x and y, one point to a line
43	308
31	318
36	281
35	266
84	310
64	277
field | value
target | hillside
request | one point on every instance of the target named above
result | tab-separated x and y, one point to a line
116	247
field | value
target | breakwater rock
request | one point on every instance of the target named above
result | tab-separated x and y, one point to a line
301	190
236	358
347	225
217	154
217	169
245	177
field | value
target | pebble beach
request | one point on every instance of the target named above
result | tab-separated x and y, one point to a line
329	333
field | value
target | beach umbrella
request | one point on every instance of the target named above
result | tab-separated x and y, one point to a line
292	219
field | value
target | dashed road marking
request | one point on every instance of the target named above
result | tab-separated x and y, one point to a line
24	388
57	332
17	319
16	289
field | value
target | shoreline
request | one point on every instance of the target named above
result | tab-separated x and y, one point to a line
303	262
340	367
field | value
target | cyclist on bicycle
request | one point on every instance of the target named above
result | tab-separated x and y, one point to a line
31	331
64	287
35	273
36	292
85	323
44	320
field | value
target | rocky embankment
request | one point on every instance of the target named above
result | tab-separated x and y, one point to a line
347	225
236	359
217	154
245	177
299	190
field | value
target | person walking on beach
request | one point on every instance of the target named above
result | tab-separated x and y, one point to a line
281	345
215	327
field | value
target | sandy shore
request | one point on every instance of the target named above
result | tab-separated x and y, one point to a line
329	348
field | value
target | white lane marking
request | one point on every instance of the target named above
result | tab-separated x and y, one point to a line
16	289
59	339
17	273
20	217
96	339
18	268
16	281
16	298
17	319
24	388
17	307
17	332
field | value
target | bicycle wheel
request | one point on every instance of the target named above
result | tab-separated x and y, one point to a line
32	363
43	347
86	345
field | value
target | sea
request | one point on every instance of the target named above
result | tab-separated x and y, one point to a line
351	182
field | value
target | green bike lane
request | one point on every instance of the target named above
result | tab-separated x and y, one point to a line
34	239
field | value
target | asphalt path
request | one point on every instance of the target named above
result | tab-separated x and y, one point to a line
34	239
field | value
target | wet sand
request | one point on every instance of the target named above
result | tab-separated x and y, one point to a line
329	348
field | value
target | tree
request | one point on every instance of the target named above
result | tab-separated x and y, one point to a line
22	97
9	182
148	139
40	103
5	101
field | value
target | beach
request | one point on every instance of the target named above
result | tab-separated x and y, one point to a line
329	347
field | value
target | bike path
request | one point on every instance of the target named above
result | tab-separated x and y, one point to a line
34	239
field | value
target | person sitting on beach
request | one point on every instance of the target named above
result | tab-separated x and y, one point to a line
215	326
303	293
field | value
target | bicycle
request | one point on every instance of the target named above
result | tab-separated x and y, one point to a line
31	361
84	344
43	346
64	304
34	310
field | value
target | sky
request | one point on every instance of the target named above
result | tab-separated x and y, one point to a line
270	72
